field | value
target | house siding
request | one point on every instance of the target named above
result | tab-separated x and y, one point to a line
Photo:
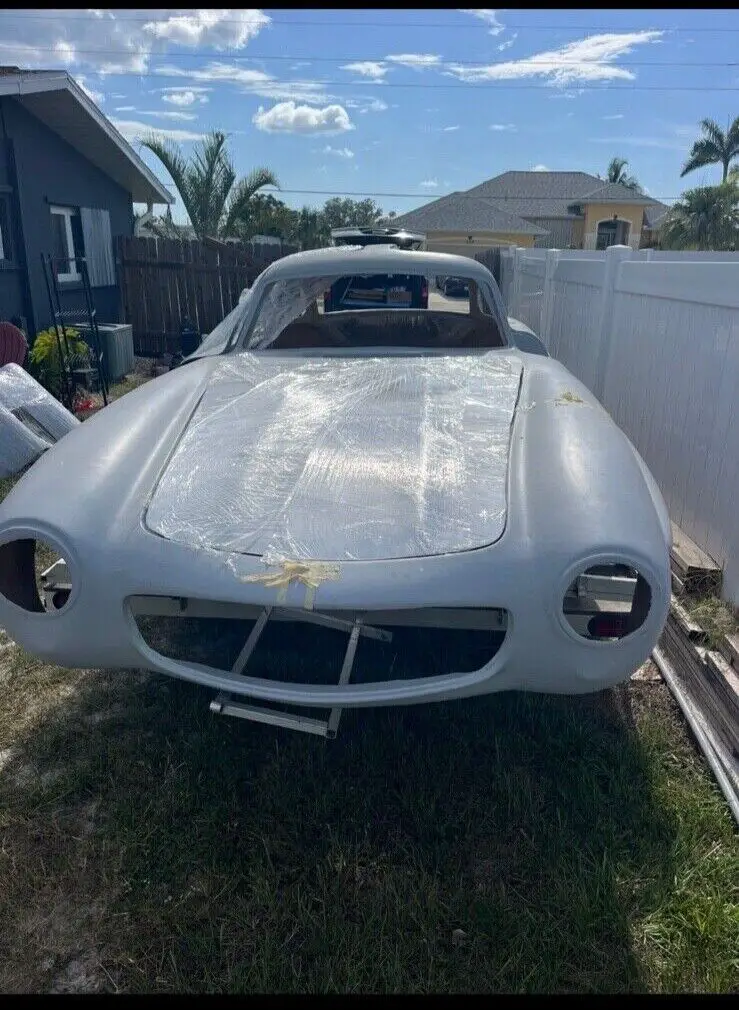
560	232
50	171
13	296
595	212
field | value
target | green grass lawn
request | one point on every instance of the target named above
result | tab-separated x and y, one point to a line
508	844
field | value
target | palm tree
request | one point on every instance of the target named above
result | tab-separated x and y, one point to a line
207	185
714	148
705	218
617	173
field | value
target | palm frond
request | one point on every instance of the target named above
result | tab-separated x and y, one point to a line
212	176
244	191
732	137
703	153
616	168
170	155
713	132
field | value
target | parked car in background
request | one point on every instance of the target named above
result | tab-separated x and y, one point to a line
454	287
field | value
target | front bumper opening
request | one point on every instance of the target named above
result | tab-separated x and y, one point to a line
293	648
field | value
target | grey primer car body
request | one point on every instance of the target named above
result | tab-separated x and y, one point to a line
474	488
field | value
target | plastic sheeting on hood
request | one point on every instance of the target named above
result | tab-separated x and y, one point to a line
354	458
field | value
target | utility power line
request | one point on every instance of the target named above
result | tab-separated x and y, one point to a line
474	24
217	55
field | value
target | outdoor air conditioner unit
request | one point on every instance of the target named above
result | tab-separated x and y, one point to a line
116	344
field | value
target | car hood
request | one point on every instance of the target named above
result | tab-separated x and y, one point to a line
351	458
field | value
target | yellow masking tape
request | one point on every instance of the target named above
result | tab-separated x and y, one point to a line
310	573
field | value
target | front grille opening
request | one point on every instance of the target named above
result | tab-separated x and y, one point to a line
301	653
607	602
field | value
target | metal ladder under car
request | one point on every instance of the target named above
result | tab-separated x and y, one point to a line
224	704
56	588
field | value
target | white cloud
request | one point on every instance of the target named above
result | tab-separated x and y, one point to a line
217	29
589	59
539	168
64	51
255	82
287	117
503	127
363	106
338	152
133	131
417	61
184	96
449	129
367	68
618	115
507	45
117	42
490	18
197	89
429	184
125	108
164	114
96	96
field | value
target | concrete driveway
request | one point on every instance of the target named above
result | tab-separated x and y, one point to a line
440	302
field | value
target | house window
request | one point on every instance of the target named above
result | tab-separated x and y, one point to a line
67	242
6	246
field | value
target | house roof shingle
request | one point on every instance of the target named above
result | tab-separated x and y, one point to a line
464	212
654	212
549	194
614	192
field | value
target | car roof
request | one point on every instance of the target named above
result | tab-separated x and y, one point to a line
374	259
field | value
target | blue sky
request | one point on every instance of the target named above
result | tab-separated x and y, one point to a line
419	102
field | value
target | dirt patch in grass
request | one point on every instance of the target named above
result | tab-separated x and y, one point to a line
142	372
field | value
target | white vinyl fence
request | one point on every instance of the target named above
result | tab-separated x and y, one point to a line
655	335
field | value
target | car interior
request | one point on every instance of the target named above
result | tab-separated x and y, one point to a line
434	328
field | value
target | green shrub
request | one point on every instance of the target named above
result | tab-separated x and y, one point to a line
44	357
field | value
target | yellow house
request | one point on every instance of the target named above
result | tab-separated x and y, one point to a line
467	225
556	210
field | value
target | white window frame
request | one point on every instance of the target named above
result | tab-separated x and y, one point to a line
67	213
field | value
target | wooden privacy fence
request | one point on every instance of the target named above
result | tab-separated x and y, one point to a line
165	281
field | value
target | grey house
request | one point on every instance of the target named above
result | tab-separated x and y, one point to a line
548	209
68	181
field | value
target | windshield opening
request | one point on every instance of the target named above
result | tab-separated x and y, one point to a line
375	310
